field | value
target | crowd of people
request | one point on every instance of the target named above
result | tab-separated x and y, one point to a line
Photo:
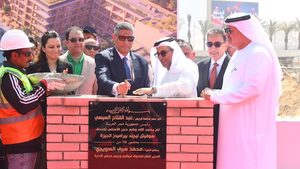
241	77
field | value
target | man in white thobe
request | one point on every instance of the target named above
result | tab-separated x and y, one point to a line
174	74
249	98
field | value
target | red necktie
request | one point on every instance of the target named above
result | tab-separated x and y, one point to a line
213	76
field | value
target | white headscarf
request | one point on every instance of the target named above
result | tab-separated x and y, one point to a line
252	29
179	60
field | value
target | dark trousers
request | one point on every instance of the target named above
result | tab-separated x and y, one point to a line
216	128
3	157
41	162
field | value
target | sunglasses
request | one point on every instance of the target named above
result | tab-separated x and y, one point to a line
74	40
162	53
90	47
216	44
123	38
25	53
227	30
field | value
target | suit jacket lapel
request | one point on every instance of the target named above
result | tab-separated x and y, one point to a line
84	67
205	72
134	66
219	80
118	64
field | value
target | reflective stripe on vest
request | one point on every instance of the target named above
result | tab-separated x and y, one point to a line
16	119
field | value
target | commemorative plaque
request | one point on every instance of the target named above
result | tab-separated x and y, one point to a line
127	135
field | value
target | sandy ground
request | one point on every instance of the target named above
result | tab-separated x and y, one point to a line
290	99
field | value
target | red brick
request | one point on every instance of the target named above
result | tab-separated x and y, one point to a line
80	101
197	130
63	110
62	146
204	103
54	137
181	139
197	112
54	101
197	148
54	155
75	138
173	147
181	157
54	119
208	157
205	121
196	165
75	155
205	139
83	164
76	119
173	130
62	128
182	102
84	128
84	146
173	165
173	112
63	164
181	121
84	111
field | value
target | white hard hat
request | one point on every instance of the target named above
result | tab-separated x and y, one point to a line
14	39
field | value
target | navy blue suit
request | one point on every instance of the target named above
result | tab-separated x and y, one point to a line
110	70
203	82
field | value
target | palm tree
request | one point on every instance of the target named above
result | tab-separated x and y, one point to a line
271	28
287	28
189	18
205	26
298	30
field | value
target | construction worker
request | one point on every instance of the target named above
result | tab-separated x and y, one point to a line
21	120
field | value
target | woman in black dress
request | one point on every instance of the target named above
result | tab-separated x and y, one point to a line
48	59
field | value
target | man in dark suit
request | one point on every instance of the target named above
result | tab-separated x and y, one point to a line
218	60
118	69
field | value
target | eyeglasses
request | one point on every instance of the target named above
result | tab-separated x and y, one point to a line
27	53
227	30
90	47
216	44
162	53
123	38
74	40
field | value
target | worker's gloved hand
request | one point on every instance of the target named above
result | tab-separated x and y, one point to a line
54	83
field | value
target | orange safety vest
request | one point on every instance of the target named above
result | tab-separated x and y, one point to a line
15	127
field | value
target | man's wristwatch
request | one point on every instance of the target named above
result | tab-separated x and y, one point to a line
153	90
